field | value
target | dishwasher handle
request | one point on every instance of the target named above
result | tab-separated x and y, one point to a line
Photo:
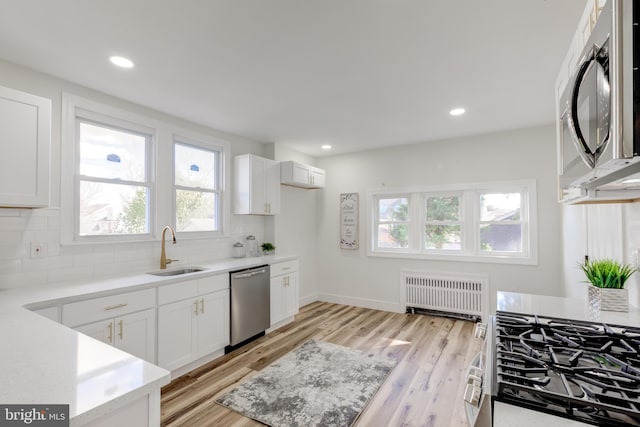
249	274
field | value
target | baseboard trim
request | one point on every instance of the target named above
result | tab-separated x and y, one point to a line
362	302
308	299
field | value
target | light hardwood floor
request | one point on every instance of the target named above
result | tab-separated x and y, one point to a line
424	389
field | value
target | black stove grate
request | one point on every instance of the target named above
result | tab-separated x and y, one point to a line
580	370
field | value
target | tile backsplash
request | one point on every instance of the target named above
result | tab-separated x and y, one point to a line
22	228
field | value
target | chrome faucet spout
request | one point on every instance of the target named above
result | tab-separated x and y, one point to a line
163	254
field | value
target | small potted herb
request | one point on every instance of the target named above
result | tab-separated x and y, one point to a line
607	278
267	248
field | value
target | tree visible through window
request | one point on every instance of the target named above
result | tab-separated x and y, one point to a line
113	180
443	226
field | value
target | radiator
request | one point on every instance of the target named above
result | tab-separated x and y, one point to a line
449	293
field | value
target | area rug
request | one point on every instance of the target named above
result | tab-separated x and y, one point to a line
317	384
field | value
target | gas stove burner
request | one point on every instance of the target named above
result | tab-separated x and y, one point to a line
580	370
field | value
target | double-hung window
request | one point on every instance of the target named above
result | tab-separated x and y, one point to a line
393	222
487	222
197	188
443	222
113	179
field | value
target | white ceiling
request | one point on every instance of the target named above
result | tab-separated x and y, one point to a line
357	74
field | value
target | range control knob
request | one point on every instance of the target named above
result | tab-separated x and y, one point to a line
472	394
481	330
476	371
474	379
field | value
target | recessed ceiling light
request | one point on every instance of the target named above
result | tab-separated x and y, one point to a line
457	111
326	147
121	61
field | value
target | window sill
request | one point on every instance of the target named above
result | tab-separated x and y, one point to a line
496	259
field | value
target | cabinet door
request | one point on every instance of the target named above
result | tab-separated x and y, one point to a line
258	195
135	333
102	330
177	334
25	135
290	295
301	173
272	186
213	322
277	286
317	177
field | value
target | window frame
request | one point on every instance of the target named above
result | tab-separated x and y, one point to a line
218	151
106	122
470	217
411	219
161	158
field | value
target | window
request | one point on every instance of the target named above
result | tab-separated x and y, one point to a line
443	222
128	175
477	222
392	225
196	188
113	180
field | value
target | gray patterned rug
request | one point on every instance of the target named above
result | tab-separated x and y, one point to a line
317	384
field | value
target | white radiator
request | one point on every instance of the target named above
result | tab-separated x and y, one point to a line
453	293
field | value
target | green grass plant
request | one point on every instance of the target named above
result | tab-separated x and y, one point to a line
607	273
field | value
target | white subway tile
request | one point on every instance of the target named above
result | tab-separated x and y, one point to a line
70	274
10	237
22	279
81	260
7	212
47	263
16	251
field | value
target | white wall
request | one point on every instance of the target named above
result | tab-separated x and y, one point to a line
294	230
352	277
19	227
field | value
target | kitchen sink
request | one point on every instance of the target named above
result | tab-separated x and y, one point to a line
177	272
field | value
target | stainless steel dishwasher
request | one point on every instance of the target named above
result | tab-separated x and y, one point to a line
250	304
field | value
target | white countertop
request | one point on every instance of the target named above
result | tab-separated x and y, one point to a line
566	308
44	362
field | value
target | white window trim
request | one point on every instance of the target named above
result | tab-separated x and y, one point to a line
162	159
206	144
528	187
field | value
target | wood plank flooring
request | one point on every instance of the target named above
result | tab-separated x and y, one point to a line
424	389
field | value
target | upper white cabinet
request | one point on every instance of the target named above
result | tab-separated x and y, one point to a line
300	175
25	137
256	185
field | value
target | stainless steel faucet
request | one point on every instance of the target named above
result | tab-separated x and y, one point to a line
163	255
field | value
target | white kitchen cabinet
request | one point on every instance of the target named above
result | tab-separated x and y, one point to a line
300	175
133	333
284	291
25	135
193	320
257	185
126	321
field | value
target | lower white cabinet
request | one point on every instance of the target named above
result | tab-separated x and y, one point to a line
194	327
284	291
126	321
133	333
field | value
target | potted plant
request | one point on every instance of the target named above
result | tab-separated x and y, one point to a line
607	278
267	248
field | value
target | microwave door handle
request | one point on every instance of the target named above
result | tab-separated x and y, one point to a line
574	125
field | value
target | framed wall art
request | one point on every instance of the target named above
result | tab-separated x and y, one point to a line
349	221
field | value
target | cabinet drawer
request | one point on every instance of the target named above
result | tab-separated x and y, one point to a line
213	283
177	292
284	268
79	313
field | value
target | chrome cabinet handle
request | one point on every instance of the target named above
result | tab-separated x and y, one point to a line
113	307
110	337
120	334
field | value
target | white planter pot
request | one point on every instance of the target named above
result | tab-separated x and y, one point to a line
608	299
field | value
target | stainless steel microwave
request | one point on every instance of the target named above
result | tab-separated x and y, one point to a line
600	108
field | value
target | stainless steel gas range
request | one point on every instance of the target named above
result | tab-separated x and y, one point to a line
565	372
